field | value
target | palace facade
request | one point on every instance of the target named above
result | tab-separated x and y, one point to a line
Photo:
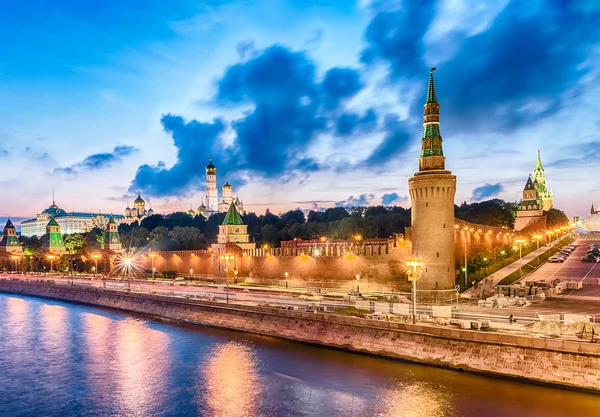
73	222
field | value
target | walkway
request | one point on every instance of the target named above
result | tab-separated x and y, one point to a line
492	280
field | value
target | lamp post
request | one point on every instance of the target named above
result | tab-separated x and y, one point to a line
51	257
191	273
413	275
16	259
357	287
485	261
286	280
549	233
95	257
235	275
465	242
520	242
127	262
152	256
537	238
226	258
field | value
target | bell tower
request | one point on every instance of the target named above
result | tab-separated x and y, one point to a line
432	192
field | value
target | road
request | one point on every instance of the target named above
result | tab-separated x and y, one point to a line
573	269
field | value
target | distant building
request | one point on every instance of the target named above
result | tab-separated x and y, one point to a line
539	181
530	213
112	242
232	231
135	214
54	243
73	222
213	205
592	223
10	245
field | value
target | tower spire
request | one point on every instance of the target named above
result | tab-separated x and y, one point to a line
432	154
538	165
431	96
593	210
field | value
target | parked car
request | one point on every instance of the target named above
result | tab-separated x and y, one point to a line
556	258
590	258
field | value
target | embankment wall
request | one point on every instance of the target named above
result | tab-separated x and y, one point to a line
551	361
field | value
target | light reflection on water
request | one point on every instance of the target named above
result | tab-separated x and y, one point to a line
59	359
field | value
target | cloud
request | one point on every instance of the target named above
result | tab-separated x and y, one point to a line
393	199
100	160
3	152
348	123
396	141
361	200
285	108
193	141
244	49
578	156
521	68
486	191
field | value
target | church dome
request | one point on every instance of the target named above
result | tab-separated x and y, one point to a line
191	213
139	200
54	210
210	166
227	185
150	212
592	223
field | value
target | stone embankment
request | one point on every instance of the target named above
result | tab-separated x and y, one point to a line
550	361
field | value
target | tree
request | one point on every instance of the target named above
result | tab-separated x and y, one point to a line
556	218
269	234
159	238
73	242
187	238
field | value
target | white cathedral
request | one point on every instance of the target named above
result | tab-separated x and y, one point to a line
213	205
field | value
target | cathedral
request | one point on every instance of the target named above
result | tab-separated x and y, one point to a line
137	213
213	205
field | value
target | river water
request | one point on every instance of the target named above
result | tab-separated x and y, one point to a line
61	359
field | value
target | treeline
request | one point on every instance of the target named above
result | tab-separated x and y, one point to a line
179	231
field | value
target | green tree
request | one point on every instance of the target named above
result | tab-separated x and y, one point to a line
73	243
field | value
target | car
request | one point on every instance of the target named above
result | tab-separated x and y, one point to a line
556	258
589	258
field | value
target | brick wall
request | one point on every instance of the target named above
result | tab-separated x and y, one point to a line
561	362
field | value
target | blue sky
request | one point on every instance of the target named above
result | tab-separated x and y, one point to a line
302	104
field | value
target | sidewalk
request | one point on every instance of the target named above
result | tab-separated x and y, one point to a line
492	280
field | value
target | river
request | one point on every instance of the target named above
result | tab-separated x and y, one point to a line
62	359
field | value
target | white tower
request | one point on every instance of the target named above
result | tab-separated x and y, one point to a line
212	197
227	194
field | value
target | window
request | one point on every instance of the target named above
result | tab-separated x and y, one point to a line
426	204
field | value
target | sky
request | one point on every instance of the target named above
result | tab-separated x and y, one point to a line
301	104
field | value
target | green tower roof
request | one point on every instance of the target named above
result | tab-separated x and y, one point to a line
538	165
431	96
52	222
112	220
232	218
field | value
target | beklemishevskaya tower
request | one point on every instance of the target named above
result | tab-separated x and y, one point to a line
432	192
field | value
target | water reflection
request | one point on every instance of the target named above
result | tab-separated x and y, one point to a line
141	366
58	359
232	386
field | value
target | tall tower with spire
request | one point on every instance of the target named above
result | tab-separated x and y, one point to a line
432	192
212	197
539	178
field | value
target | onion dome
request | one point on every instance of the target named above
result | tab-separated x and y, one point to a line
139	200
210	167
227	185
150	212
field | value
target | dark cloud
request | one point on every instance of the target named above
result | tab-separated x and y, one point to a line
486	191
395	35
393	199
100	160
348	123
361	200
339	84
193	141
523	68
396	141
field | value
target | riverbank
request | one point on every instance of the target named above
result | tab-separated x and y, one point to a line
549	361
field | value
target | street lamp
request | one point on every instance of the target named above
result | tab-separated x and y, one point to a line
51	257
127	262
96	257
357	287
503	254
537	238
286	280
465	247
485	261
16	259
152	256
226	258
520	242
413	275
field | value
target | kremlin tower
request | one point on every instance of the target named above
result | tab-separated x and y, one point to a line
432	192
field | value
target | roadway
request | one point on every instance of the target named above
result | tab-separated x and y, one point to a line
573	269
